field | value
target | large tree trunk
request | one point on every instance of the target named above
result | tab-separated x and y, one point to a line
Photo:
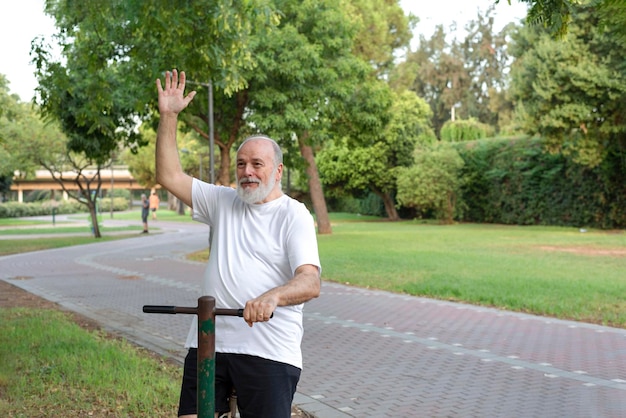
224	175
388	202
315	188
390	206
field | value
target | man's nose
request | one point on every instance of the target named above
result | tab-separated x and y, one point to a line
248	170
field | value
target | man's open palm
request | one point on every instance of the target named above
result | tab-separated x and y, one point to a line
172	98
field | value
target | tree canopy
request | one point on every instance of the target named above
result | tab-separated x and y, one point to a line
572	90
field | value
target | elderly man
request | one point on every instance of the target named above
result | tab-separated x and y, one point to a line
263	256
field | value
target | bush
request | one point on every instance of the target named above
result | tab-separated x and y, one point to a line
514	181
369	204
464	130
119	204
433	183
37	196
65	207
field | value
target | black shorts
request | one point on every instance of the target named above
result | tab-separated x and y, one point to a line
265	388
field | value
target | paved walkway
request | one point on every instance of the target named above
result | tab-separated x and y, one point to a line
366	353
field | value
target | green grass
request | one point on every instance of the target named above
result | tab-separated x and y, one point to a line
558	272
162	215
51	367
18	246
65	229
551	271
25	227
22	221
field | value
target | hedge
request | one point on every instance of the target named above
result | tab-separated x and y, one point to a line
18	210
513	181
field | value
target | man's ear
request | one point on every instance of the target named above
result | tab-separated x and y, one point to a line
279	172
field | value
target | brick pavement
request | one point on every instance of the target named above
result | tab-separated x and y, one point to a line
367	353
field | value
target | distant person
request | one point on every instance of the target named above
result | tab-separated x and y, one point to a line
154	204
145	211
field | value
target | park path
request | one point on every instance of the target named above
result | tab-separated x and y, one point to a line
367	353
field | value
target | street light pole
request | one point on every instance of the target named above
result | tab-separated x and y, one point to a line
211	138
209	87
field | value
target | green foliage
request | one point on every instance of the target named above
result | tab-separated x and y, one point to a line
383	28
24	138
369	204
124	193
571	91
514	181
464	130
37	196
370	162
470	75
46	208
433	183
556	15
307	75
552	14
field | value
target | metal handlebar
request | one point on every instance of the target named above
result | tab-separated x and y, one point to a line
172	310
206	312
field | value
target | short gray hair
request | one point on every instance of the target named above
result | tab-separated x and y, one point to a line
278	153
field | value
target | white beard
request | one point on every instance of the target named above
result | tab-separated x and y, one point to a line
259	193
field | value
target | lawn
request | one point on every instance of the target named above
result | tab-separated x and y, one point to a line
560	272
566	273
50	367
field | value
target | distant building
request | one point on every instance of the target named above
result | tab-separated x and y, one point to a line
118	178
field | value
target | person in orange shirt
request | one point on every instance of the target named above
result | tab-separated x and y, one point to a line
154	204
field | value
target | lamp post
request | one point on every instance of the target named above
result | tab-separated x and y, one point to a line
209	87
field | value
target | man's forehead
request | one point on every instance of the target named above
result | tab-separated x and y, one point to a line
256	149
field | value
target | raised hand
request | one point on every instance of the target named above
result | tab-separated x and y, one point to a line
172	98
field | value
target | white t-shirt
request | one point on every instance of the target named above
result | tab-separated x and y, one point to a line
255	248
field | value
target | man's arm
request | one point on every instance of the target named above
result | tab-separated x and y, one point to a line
169	172
304	286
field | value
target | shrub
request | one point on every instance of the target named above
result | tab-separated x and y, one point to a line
433	183
514	181
464	130
65	207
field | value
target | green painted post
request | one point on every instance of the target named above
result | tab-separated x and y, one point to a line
206	357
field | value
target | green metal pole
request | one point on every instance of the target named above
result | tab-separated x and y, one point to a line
206	357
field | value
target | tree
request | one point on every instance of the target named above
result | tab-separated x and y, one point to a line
487	60
96	117
24	137
306	85
355	164
433	182
308	67
556	15
98	90
306	79
141	162
572	90
439	76
212	41
466	79
32	143
383	29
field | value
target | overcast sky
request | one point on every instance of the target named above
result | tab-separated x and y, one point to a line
23	20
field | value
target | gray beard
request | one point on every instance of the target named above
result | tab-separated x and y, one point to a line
257	195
